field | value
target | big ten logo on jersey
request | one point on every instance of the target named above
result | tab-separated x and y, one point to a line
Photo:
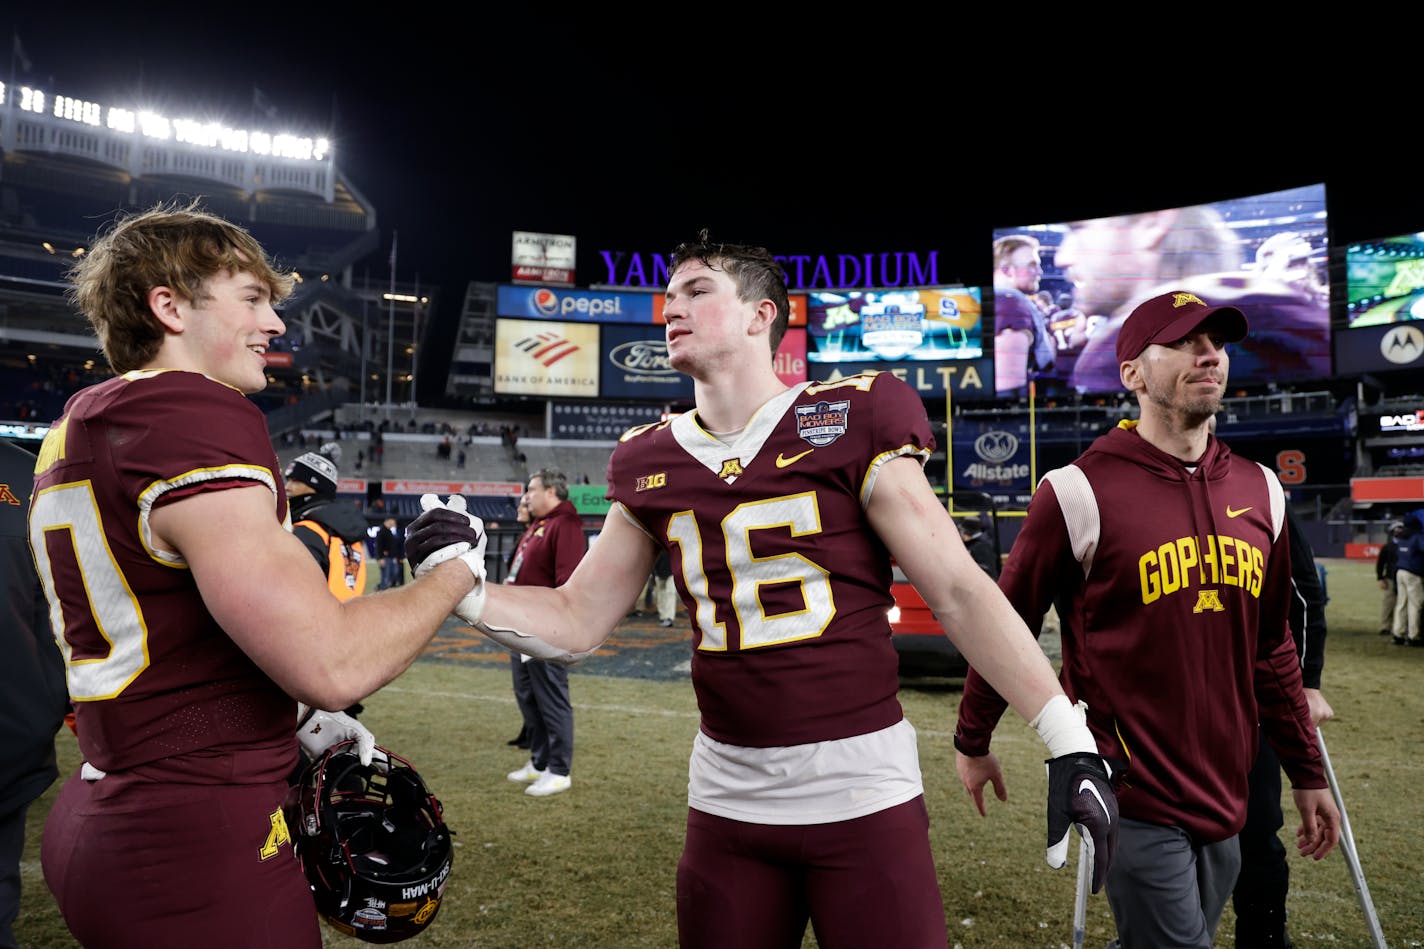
1186	564
650	482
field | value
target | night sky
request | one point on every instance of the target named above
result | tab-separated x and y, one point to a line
631	133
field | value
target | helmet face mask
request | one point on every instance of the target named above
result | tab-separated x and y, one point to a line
372	843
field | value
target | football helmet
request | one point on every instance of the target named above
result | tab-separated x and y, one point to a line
372	843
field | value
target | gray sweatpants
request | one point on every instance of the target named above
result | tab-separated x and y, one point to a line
550	713
1166	891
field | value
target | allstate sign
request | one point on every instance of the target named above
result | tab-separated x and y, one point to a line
586	306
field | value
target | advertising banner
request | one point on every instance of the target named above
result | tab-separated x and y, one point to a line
535	357
598	421
544	258
585	306
635	366
991	458
929	324
505	489
589	499
790	359
1384	347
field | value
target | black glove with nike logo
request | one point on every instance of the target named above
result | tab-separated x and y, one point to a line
1080	794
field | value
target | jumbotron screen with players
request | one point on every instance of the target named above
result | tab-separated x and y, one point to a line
1385	280
1266	253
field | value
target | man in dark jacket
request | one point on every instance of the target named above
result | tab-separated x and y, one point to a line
1386	563
33	695
388	551
1260	894
1409	577
551	548
980	545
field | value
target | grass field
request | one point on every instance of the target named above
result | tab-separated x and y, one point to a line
595	867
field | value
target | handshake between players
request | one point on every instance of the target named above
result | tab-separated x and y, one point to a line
1080	781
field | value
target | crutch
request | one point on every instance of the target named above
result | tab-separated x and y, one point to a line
1080	898
1352	856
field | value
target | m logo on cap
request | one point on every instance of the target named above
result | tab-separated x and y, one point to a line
1182	299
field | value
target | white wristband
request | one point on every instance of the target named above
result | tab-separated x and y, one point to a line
1063	727
531	646
473	604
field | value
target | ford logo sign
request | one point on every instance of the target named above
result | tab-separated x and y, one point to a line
648	356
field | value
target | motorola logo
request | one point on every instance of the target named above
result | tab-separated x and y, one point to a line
1403	344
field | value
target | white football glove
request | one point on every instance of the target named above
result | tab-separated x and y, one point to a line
320	730
469	608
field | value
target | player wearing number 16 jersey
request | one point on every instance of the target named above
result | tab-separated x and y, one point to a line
781	509
786	585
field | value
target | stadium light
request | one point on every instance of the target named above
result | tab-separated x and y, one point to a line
202	134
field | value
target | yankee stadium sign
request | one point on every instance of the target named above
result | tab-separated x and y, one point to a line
624	268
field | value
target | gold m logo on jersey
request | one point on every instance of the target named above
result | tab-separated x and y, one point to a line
731	468
1208	602
649	482
1182	299
277	835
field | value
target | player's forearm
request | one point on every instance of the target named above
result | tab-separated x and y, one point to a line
379	636
554	615
993	637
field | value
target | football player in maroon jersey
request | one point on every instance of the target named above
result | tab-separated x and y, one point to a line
1175	628
191	620
781	509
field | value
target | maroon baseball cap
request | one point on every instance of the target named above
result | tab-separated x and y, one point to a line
1168	317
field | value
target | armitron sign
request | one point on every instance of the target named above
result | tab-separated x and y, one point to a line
544	258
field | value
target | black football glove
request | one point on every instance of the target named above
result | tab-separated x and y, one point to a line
439	528
1080	794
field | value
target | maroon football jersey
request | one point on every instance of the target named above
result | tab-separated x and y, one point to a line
155	681
786	582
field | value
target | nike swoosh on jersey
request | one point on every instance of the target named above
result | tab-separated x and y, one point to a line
782	461
1235	512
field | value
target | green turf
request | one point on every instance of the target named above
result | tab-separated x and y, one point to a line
595	866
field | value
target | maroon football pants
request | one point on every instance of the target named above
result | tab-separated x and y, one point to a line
865	883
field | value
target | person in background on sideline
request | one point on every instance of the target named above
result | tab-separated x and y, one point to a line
1409	576
1179	655
33	697
332	529
1259	897
194	621
980	545
389	553
1386	563
664	593
523	696
546	557
782	508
